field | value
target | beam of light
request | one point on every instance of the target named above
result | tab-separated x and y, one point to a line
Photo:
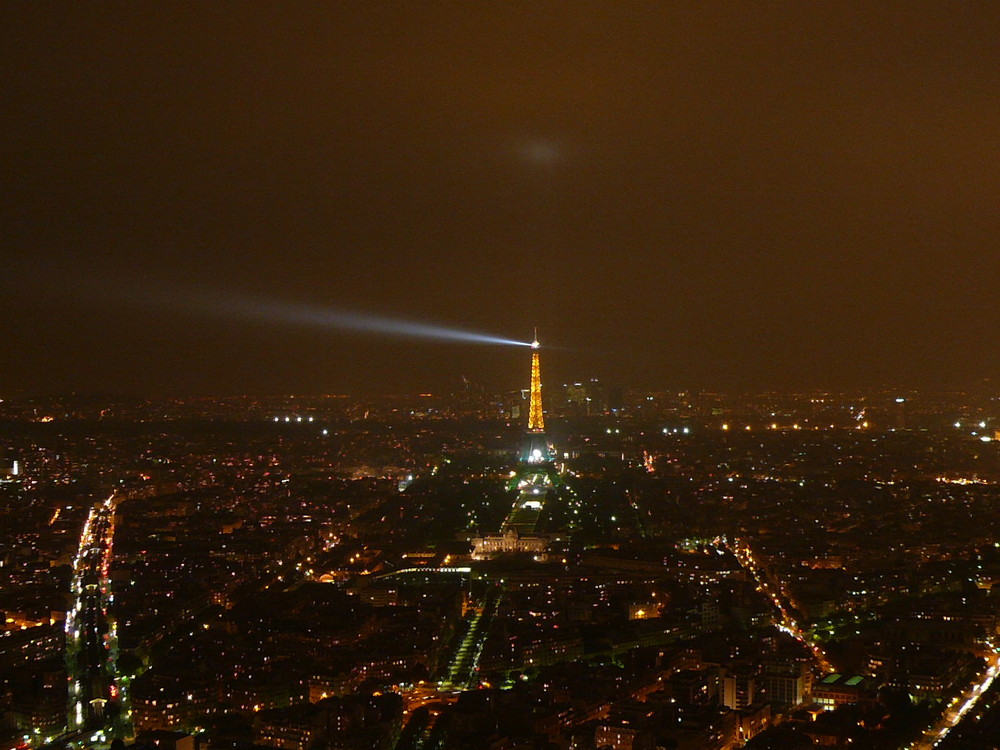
227	305
196	300
350	321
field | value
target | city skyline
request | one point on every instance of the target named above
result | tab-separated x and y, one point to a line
760	198
758	573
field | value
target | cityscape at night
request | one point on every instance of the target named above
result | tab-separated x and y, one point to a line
599	568
472	376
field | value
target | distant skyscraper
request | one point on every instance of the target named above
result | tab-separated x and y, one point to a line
616	398
899	414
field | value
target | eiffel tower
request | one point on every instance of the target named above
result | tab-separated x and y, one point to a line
531	482
536	469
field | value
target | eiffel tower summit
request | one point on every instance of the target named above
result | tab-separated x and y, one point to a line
532	481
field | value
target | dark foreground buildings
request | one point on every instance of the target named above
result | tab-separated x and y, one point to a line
675	571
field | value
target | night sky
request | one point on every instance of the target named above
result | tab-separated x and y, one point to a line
700	195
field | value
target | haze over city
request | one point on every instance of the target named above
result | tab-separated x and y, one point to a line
770	196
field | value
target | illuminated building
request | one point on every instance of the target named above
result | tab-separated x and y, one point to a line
739	687
10	469
899	414
838	690
787	683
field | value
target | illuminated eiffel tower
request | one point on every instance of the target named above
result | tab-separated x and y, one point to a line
531	482
536	468
536	417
